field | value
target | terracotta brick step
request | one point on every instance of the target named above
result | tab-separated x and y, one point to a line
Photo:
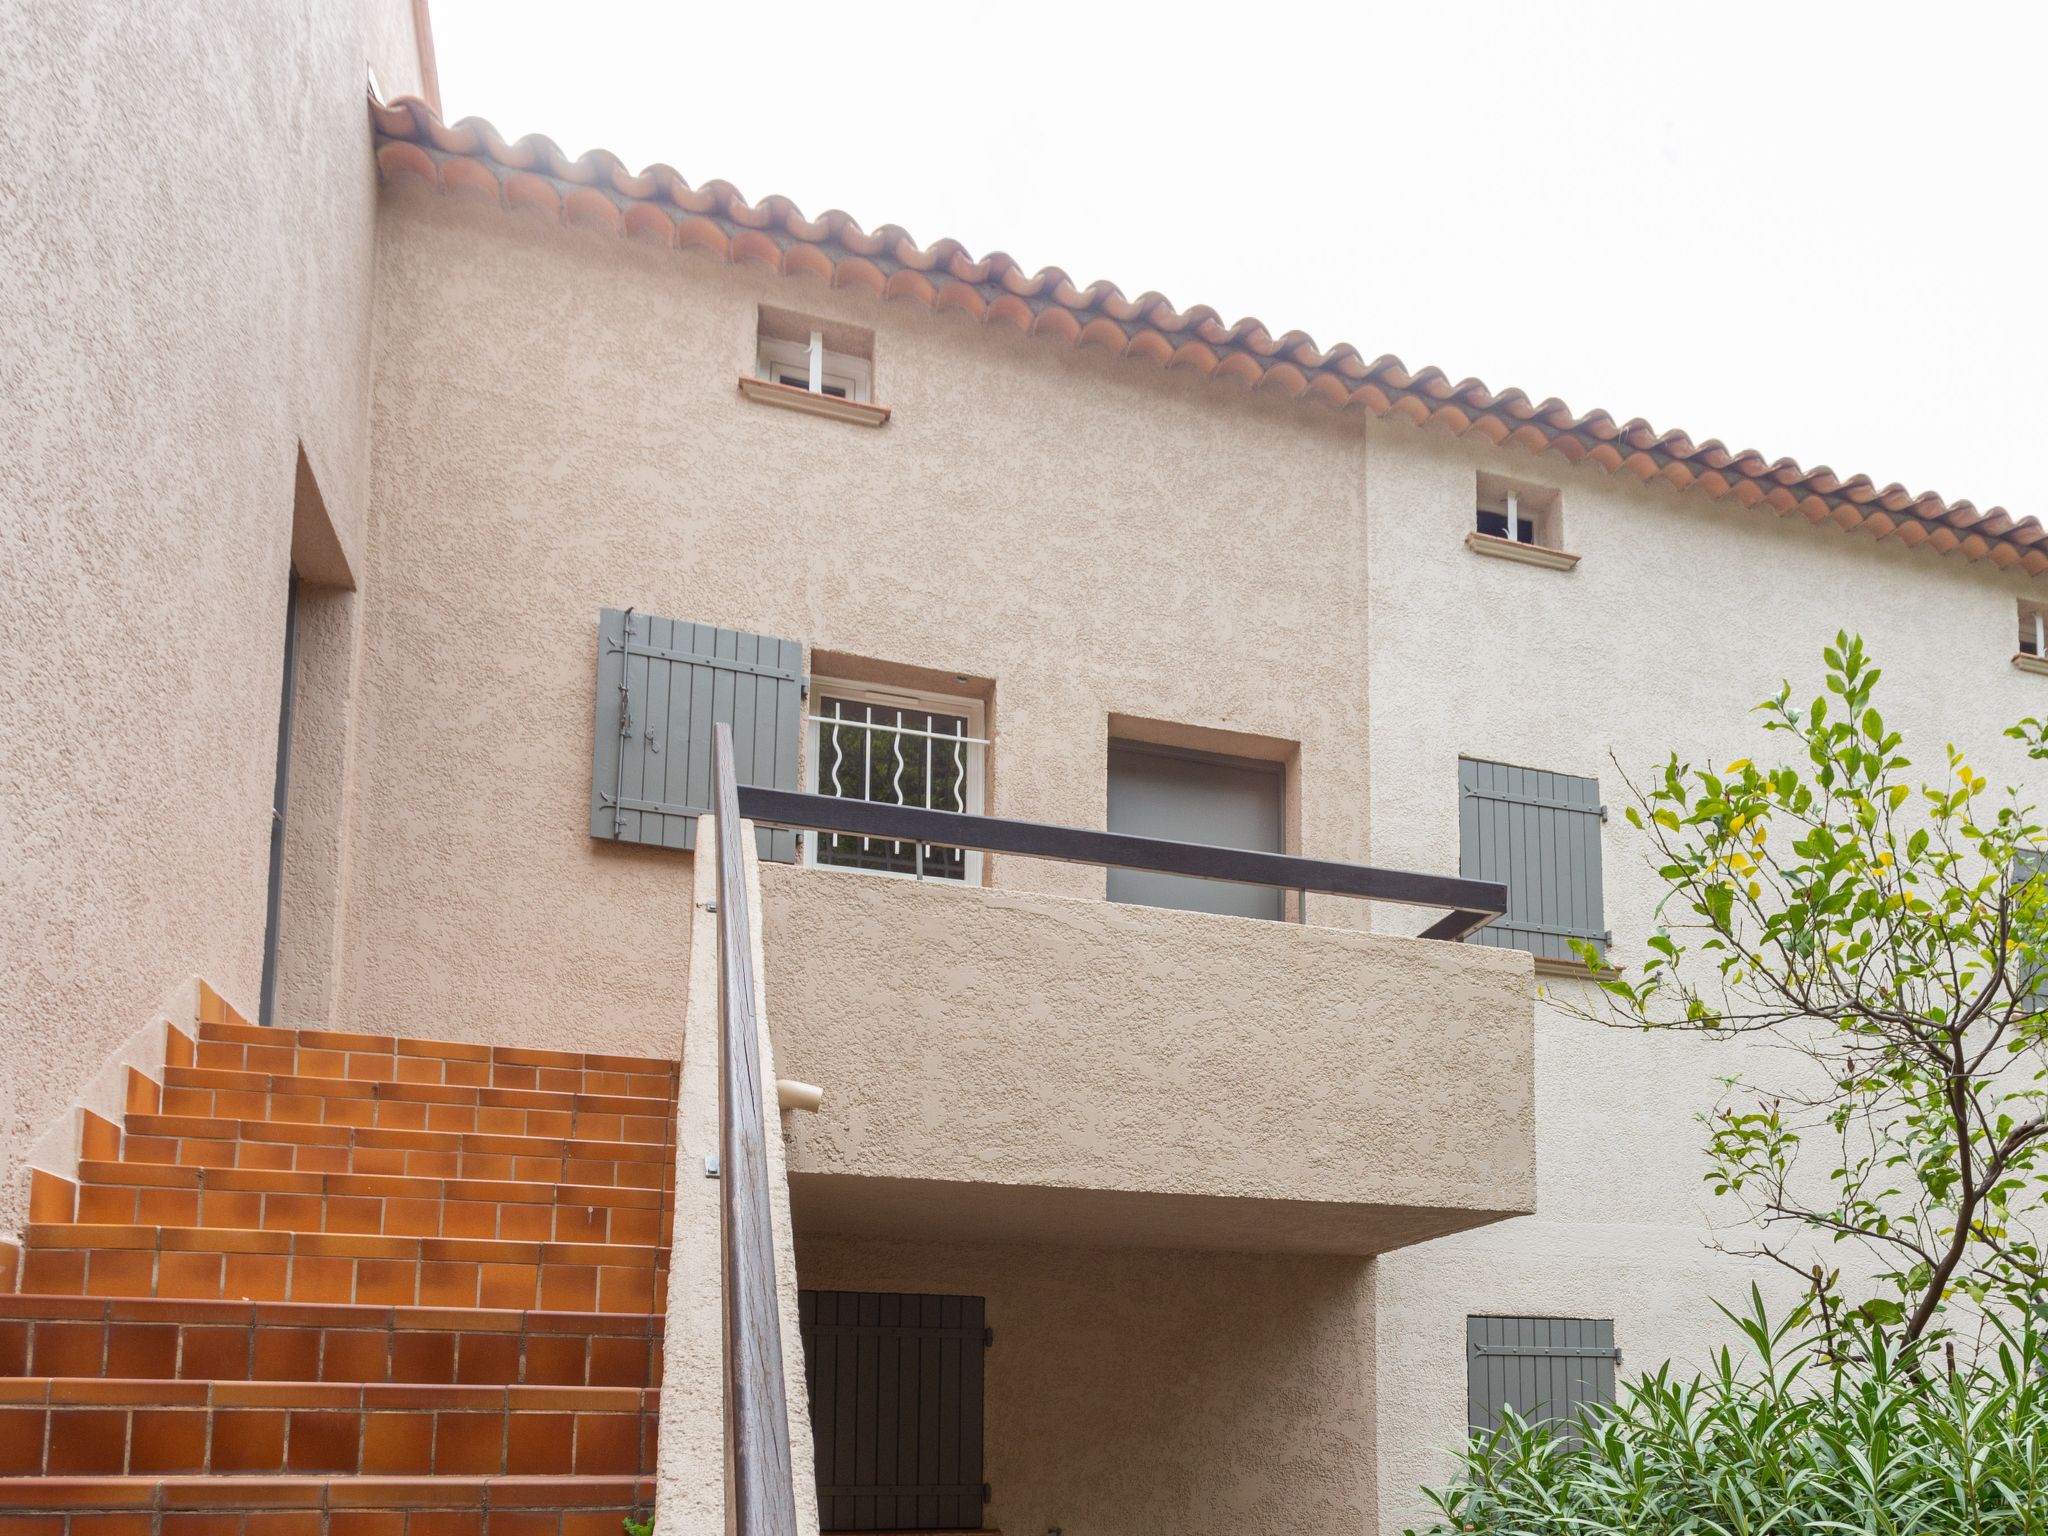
346	1043
238	1048
186	1340
196	1141
321	1506
276	1199
77	1427
203	1091
67	1259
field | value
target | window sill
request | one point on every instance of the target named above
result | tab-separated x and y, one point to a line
1528	554
2028	663
790	398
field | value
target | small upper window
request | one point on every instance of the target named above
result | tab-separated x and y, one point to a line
809	366
817	366
1519	522
2034	630
1519	513
1510	522
896	747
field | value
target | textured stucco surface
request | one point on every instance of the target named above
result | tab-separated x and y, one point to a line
1679	618
186	252
558	429
690	1468
1334	1086
1154	1393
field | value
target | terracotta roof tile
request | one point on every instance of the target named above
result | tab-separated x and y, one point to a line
597	191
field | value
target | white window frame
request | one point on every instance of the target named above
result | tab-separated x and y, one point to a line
970	710
812	362
2033	626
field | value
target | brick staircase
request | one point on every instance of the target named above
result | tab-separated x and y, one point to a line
325	1284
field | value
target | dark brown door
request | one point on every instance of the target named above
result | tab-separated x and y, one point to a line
896	1408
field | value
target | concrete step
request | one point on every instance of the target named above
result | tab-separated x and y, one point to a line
108	1426
216	1263
372	1204
175	1339
322	1506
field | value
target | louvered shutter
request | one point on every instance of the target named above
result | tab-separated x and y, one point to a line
661	685
1545	1368
1539	835
895	1385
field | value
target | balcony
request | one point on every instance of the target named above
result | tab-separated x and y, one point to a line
1000	1291
1004	1066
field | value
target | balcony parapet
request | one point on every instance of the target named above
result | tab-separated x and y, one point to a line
1007	1066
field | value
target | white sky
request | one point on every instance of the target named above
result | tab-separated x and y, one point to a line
1814	230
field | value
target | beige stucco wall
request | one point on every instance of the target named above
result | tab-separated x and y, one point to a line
558	429
1142	1391
185	267
1681	615
1021	1066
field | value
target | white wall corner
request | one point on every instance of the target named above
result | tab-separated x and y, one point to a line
690	1466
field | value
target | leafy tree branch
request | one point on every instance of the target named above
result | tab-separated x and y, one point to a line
1892	928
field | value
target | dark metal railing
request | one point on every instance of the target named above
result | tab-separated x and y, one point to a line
764	1497
1471	904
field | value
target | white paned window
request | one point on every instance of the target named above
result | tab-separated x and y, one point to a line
895	747
808	366
1518	512
2033	629
1507	520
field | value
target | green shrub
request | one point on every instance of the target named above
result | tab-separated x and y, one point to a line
1816	1432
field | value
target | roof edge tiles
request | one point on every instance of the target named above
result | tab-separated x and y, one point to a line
597	191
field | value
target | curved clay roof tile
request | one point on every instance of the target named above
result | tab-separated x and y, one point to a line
597	190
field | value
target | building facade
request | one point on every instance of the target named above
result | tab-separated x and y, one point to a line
518	472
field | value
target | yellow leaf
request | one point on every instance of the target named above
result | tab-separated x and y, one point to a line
1737	766
1666	819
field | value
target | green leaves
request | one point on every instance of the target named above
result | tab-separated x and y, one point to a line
1890	927
1812	1429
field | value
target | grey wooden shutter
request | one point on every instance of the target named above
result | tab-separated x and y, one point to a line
1539	835
661	684
1545	1368
895	1384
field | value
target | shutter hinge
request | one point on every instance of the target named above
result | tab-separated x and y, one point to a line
988	1494
803	688
988	1337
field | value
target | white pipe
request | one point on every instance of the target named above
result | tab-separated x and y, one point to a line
791	1094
